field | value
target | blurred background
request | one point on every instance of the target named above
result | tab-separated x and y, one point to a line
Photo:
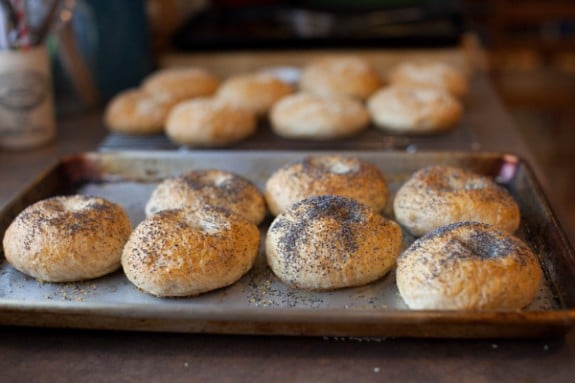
527	48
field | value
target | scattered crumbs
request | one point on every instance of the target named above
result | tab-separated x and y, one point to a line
262	293
376	369
71	292
494	345
546	347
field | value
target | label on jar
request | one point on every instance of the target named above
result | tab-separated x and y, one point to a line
26	103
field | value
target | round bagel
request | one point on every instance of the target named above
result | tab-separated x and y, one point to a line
340	76
408	109
136	112
331	242
209	122
305	116
323	175
436	196
468	266
430	74
179	84
209	187
257	92
67	239
186	252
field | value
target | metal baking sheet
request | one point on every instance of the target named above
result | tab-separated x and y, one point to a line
259	303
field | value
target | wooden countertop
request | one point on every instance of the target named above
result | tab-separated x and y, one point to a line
38	355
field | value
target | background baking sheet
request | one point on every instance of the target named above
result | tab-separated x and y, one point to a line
259	303
287	65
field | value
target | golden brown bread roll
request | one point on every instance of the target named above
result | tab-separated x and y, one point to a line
179	84
209	187
257	92
331	242
409	109
137	112
66	239
305	116
185	252
209	122
468	266
340	76
439	195
430	73
328	174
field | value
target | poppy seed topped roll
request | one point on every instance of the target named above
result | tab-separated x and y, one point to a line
189	251
439	195
331	242
468	266
209	187
67	238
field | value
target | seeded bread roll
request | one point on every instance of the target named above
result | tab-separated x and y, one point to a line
321	175
136	112
209	187
468	266
179	84
67	239
408	109
257	92
209	122
186	252
331	242
340	76
430	74
305	116
439	195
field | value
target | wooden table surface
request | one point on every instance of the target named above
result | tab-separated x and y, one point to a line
50	355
